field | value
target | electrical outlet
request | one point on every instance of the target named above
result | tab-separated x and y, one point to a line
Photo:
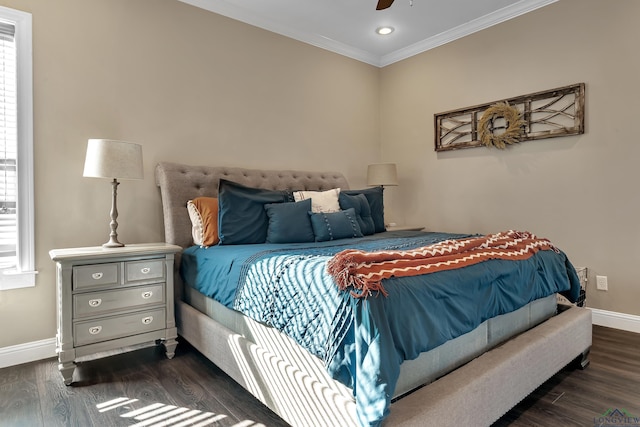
601	283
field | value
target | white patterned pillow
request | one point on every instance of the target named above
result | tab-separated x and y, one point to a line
321	201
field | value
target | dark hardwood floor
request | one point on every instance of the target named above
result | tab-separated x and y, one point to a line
108	391
575	397
189	390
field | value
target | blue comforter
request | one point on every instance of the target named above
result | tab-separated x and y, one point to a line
364	341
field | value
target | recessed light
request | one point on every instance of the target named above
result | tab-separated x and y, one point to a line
383	31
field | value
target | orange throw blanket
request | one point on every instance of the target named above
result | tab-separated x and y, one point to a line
364	271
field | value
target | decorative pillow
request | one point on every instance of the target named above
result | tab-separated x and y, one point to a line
376	203
335	225
203	212
321	201
289	222
363	212
242	219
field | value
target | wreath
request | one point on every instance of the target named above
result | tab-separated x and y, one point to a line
513	131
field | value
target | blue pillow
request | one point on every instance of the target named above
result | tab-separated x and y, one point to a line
242	219
335	225
289	222
363	211
376	203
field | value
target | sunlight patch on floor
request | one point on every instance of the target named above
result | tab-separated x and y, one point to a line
162	415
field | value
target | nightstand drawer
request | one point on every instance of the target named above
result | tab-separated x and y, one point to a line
89	276
108	328
141	271
96	303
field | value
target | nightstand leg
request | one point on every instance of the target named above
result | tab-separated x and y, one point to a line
67	369
170	347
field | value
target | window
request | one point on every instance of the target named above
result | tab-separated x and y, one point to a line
16	151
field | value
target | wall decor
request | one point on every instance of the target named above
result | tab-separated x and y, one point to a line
513	125
546	114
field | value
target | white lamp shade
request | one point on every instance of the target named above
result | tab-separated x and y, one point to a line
382	174
108	158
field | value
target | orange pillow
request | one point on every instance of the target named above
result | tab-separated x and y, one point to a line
203	212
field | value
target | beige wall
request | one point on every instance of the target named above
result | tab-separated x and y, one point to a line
191	87
579	191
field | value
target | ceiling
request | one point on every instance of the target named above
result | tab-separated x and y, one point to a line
348	27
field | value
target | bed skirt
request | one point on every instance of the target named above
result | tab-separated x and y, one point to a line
429	366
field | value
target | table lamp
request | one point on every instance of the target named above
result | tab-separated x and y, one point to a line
108	158
382	174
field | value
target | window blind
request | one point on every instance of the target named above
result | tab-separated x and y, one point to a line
8	145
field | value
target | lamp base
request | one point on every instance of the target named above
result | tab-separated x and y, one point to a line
113	244
113	236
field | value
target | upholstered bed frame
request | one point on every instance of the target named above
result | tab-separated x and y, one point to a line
477	393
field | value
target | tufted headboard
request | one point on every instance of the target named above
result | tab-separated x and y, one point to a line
180	183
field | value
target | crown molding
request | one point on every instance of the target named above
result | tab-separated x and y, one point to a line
502	15
235	12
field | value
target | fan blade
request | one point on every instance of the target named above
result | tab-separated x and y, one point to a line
383	4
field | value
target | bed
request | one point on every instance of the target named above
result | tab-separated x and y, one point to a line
310	379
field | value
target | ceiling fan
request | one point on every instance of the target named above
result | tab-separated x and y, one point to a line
383	4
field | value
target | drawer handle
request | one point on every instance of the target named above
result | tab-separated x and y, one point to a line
147	294
95	302
97	276
95	330
145	270
147	320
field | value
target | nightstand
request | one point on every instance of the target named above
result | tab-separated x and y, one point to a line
113	298
405	228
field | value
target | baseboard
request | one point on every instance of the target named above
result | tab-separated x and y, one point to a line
27	352
612	319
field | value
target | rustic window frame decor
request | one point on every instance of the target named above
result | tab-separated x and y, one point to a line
542	115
